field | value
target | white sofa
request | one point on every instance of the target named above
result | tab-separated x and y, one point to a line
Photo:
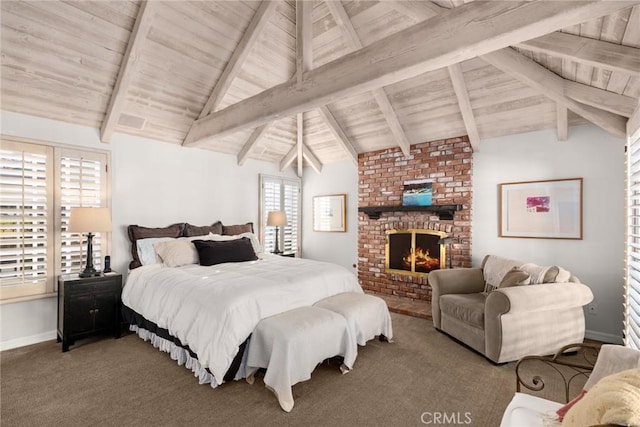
531	411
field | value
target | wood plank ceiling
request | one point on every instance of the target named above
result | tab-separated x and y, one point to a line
305	83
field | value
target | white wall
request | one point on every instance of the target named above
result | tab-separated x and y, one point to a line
152	184
156	184
597	259
339	248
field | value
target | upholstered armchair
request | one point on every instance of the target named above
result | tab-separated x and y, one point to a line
507	309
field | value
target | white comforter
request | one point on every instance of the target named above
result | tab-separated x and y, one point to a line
214	309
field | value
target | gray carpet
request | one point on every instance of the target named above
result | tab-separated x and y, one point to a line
127	382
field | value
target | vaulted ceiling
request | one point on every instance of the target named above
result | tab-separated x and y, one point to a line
304	83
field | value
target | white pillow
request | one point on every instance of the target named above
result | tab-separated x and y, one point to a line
540	274
146	252
177	253
257	247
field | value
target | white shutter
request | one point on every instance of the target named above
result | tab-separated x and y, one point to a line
82	184
291	205
280	194
26	206
632	282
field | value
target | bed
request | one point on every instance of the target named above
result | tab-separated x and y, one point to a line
203	315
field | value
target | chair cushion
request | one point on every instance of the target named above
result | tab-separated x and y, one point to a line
469	308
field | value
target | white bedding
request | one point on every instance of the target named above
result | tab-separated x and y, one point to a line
214	309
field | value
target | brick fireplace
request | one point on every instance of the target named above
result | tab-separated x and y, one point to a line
447	164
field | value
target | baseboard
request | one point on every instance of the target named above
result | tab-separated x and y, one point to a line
32	339
602	337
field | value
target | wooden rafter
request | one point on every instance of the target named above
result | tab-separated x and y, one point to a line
312	159
489	26
304	36
418	10
605	100
353	41
460	88
552	86
289	158
248	40
130	61
339	134
583	50
299	141
562	122
243	155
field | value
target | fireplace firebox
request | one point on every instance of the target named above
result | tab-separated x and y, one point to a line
414	252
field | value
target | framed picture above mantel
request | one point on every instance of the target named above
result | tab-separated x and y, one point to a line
550	209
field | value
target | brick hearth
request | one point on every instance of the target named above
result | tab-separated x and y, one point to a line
448	164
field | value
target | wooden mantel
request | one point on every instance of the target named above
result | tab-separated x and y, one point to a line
445	212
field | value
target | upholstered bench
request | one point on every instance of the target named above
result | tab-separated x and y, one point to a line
291	344
367	315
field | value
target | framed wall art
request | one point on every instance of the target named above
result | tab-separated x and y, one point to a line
329	213
542	209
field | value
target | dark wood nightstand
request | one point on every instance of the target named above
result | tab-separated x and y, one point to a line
288	254
87	306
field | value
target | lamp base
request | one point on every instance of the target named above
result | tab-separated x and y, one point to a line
89	272
277	252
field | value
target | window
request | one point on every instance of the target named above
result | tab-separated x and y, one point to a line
38	186
280	194
632	262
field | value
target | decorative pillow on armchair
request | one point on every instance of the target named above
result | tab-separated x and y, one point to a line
541	274
495	268
513	277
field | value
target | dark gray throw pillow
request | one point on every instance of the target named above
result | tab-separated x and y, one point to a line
213	252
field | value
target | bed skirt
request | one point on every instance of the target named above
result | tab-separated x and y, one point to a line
181	353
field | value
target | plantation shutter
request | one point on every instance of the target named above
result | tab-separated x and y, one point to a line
280	194
271	202
26	207
632	282
291	202
82	184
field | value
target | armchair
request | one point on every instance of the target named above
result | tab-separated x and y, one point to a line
512	320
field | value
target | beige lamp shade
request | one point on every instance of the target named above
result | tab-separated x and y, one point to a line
89	220
277	219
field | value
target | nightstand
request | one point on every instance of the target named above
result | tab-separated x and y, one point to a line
288	254
87	306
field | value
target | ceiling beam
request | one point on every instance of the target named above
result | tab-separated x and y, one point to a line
353	41
258	22
289	158
418	10
488	26
243	155
304	37
338	133
130	61
552	86
312	159
562	122
299	141
595	53
460	88
599	98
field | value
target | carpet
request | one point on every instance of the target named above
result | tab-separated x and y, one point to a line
423	377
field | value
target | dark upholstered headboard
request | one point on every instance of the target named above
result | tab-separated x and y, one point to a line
181	229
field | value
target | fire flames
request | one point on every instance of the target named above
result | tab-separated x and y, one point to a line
423	260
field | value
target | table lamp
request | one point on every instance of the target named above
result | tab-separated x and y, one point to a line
277	219
89	220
